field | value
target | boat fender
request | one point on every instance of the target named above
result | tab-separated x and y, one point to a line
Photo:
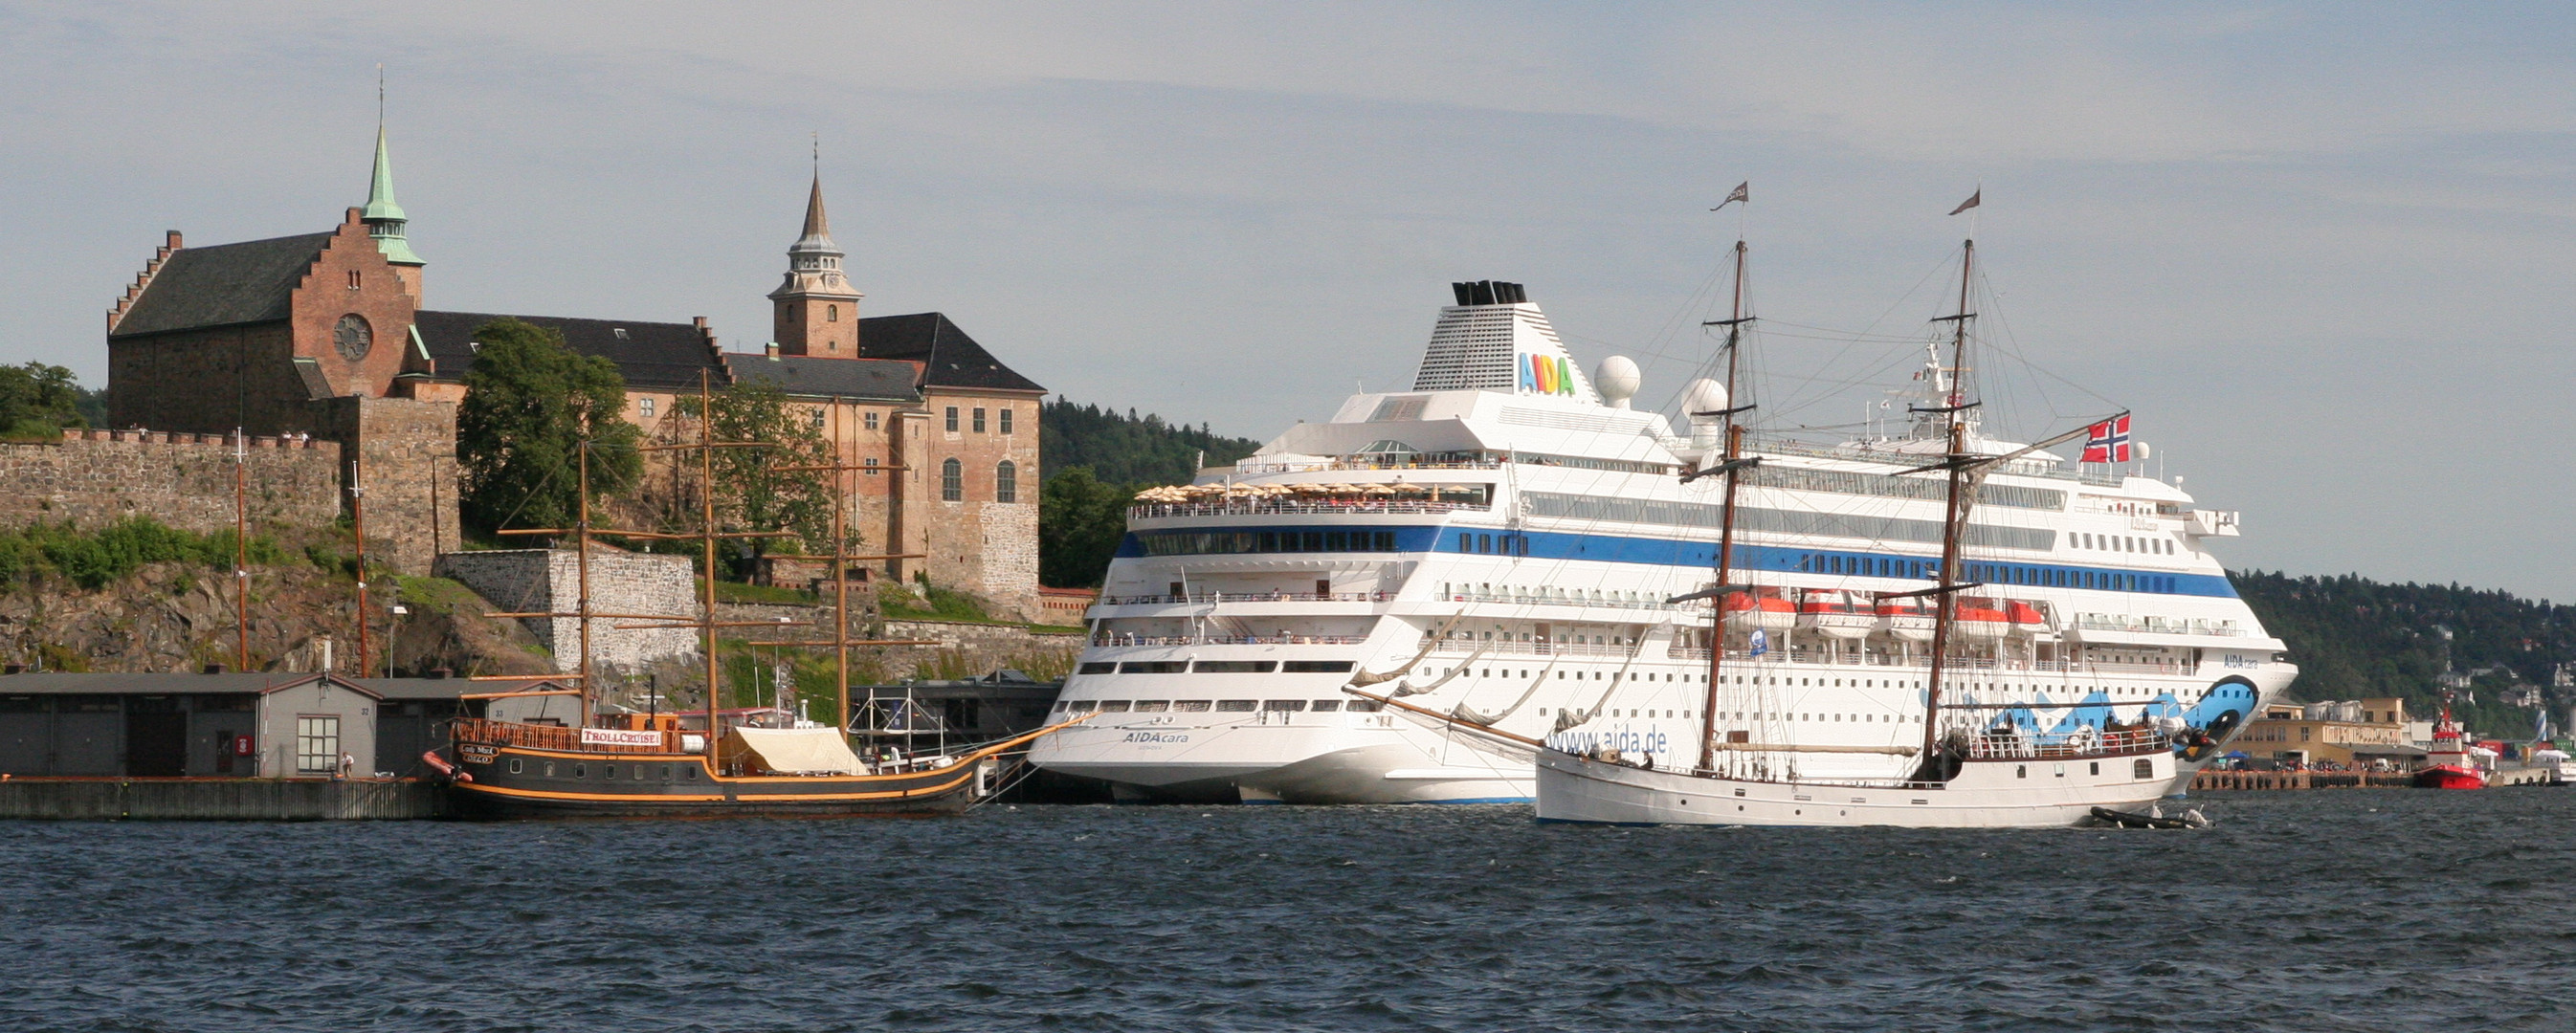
444	769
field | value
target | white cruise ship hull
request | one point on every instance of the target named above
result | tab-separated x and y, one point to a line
1517	554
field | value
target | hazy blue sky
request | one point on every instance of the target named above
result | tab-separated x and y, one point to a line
2323	251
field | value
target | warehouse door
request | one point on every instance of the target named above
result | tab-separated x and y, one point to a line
156	744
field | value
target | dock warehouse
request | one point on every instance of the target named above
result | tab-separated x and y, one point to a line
257	725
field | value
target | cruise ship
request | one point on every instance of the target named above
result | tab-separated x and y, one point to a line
1414	600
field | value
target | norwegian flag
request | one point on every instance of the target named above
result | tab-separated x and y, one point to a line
2109	441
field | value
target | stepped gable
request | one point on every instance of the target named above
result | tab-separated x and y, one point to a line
665	356
801	376
223	285
948	358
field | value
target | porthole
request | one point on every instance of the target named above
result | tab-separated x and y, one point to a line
581	771
514	765
689	773
666	772
550	769
608	771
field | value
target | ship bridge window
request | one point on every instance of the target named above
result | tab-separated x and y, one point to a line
1191	706
1362	706
1322	706
1279	705
1113	706
1080	706
1154	667
1235	706
1316	666
1152	706
1236	666
1099	667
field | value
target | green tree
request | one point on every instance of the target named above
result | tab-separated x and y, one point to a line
1129	448
529	403
1080	522
38	401
752	492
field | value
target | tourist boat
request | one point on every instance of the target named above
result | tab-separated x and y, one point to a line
2448	764
519	758
1534	575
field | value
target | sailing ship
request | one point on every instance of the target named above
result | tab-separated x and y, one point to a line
2449	764
514	762
2009	718
1409	601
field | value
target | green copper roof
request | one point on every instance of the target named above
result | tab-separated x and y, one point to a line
380	194
384	217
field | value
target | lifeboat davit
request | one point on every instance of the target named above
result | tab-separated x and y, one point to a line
1834	613
1979	619
2026	618
1906	618
1762	608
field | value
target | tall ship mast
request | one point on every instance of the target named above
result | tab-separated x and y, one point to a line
1461	591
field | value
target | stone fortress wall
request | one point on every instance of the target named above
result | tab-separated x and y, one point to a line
93	478
549	580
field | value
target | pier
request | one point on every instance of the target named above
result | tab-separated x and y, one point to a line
221	799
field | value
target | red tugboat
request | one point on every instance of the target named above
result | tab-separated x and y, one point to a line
2448	764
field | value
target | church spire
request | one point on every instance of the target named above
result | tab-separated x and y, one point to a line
815	251
384	217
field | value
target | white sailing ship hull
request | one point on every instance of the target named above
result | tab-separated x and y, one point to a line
1985	794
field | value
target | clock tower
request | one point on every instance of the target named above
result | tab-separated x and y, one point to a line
816	311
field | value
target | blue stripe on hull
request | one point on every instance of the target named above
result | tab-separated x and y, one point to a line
1667	552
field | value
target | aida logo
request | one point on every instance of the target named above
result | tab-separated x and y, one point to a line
1546	375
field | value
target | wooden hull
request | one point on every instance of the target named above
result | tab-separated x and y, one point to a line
504	782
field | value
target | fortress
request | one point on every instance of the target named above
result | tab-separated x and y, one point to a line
323	341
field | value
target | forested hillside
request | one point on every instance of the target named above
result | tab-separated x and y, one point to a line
2353	637
1096	460
1129	449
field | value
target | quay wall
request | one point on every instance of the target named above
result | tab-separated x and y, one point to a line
220	799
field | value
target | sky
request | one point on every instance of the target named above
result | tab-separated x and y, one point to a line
2321	250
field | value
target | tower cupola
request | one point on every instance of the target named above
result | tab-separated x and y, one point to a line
815	312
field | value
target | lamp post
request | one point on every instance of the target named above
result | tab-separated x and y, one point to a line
394	635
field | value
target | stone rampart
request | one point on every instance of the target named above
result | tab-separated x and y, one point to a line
549	581
97	477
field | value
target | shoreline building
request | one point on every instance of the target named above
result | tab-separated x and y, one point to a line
327	335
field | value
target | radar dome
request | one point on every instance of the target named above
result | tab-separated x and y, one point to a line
1617	380
1705	395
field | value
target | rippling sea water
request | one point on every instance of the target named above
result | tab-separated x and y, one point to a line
2300	911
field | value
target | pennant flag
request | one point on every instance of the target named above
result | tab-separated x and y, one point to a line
1738	195
1971	202
2108	441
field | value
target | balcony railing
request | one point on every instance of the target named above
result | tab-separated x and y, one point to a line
1922	662
2157	625
1498	647
1301	507
2062	747
1227	640
1552	599
1247	597
547	737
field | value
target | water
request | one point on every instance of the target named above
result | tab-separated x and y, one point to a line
2301	911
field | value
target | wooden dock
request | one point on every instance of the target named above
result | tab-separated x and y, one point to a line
221	799
2220	780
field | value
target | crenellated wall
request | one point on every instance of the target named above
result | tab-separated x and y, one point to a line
96	477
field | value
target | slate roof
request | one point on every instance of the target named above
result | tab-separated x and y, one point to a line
949	358
809	376
658	356
223	285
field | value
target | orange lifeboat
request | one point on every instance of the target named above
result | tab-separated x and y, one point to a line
1834	613
1906	618
2026	618
1979	618
1763	608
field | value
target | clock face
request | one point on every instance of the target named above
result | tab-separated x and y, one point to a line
352	337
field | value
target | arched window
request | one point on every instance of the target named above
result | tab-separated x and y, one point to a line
831	313
952	481
1006	482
